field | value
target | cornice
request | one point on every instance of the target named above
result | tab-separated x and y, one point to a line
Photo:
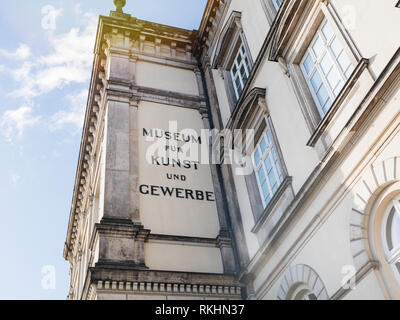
210	25
281	29
246	107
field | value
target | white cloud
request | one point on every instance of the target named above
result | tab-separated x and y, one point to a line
14	122
2	68
69	61
75	114
23	52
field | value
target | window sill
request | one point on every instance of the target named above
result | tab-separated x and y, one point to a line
362	65
273	206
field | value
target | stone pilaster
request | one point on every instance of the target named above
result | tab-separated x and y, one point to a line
224	240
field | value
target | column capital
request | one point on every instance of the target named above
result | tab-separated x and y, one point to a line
203	112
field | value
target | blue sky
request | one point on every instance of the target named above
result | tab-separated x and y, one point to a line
45	65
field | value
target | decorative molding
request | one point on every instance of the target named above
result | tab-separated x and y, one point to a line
373	179
244	110
283	25
302	274
157	288
210	26
232	27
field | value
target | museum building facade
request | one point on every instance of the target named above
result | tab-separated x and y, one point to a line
314	85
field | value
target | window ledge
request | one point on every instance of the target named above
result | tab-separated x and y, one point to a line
362	65
272	205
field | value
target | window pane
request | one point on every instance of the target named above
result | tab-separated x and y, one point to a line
326	64
257	158
261	176
327	106
343	61
395	230
336	47
339	88
267	199
316	81
234	70
237	81
308	64
349	71
318	47
333	79
268	164
265	190
322	95
273	182
263	146
242	71
239	59
269	137
327	31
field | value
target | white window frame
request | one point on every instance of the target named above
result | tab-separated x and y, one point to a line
276	4
392	255
312	16
336	68
276	165
238	76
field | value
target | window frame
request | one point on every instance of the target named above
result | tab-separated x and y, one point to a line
274	164
317	67
231	39
276	4
392	255
244	63
293	53
270	10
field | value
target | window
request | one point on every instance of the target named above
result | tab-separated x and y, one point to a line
304	294
267	167
240	71
326	67
391	235
233	59
277	4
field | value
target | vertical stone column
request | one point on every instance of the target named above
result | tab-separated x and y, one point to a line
199	80
224	240
134	162
212	94
133	61
116	195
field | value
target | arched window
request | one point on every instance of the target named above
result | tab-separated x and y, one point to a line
391	235
301	282
301	291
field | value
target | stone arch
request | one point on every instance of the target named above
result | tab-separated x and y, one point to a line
373	181
302	274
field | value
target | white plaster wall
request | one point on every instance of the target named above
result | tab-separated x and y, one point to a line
367	289
374	28
247	215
